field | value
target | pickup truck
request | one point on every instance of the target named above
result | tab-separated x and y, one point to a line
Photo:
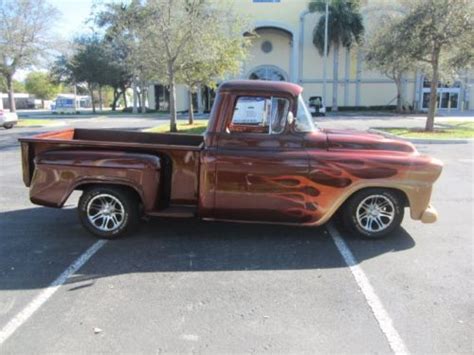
261	159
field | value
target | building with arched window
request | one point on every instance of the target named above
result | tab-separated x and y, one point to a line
283	50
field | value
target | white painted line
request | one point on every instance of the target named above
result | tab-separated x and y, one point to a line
383	319
17	321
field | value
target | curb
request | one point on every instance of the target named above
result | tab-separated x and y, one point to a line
423	140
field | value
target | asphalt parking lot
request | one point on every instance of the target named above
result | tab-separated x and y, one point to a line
187	286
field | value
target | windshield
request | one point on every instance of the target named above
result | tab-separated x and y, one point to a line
304	120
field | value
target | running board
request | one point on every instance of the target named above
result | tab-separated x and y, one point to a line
175	211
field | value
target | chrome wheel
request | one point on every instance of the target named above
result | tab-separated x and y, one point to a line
375	213
105	212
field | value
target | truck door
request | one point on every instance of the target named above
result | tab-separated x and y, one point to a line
261	165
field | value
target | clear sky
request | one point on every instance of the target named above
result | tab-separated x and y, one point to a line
73	15
71	22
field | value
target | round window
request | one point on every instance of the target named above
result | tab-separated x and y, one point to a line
267	46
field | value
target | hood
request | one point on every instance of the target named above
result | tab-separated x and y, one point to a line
360	140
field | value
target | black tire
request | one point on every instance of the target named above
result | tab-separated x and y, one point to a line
124	222
8	125
386	205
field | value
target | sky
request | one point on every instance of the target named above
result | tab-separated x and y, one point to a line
73	15
71	22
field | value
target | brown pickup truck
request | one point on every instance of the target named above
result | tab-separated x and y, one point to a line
262	159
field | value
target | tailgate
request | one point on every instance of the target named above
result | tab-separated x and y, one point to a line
27	163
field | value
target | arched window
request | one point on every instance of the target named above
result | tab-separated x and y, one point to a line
268	73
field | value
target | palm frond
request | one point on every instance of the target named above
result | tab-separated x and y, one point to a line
345	26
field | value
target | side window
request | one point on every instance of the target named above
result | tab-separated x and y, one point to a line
254	114
279	115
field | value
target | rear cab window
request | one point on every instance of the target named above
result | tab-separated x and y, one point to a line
259	114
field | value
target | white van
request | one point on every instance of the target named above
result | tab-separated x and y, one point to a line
69	103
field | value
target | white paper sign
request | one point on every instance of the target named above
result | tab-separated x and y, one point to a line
251	110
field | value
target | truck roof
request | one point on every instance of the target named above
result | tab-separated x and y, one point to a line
261	85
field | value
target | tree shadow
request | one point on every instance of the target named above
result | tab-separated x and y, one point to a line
39	243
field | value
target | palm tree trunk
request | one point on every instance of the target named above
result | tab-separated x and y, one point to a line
347	75
335	77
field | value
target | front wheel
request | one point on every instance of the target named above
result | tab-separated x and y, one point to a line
108	212
373	213
8	125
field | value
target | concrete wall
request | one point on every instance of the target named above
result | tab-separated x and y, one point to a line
279	55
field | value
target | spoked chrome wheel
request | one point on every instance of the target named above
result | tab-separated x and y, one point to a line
375	213
105	212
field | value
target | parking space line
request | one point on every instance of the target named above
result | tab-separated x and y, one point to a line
17	321
383	319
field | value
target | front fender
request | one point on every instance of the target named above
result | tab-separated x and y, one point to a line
58	173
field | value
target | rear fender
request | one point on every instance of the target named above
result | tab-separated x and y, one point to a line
58	173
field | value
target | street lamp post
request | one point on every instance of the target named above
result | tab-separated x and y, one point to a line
325	52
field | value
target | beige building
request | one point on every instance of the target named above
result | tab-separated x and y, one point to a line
284	50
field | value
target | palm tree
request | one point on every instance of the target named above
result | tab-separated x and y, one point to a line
345	27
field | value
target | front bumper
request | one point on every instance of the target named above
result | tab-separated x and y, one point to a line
430	215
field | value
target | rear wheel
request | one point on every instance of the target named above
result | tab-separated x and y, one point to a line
373	213
108	212
8	125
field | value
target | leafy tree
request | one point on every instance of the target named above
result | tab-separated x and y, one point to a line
18	86
170	28
120	22
42	86
62	70
216	53
383	54
345	28
89	65
24	36
115	73
439	34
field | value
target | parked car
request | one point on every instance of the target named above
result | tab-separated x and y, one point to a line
316	106
7	119
261	159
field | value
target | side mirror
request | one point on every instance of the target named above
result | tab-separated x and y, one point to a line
291	119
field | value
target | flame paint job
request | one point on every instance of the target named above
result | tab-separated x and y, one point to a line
291	178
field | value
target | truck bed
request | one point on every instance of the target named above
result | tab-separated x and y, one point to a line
110	137
180	151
